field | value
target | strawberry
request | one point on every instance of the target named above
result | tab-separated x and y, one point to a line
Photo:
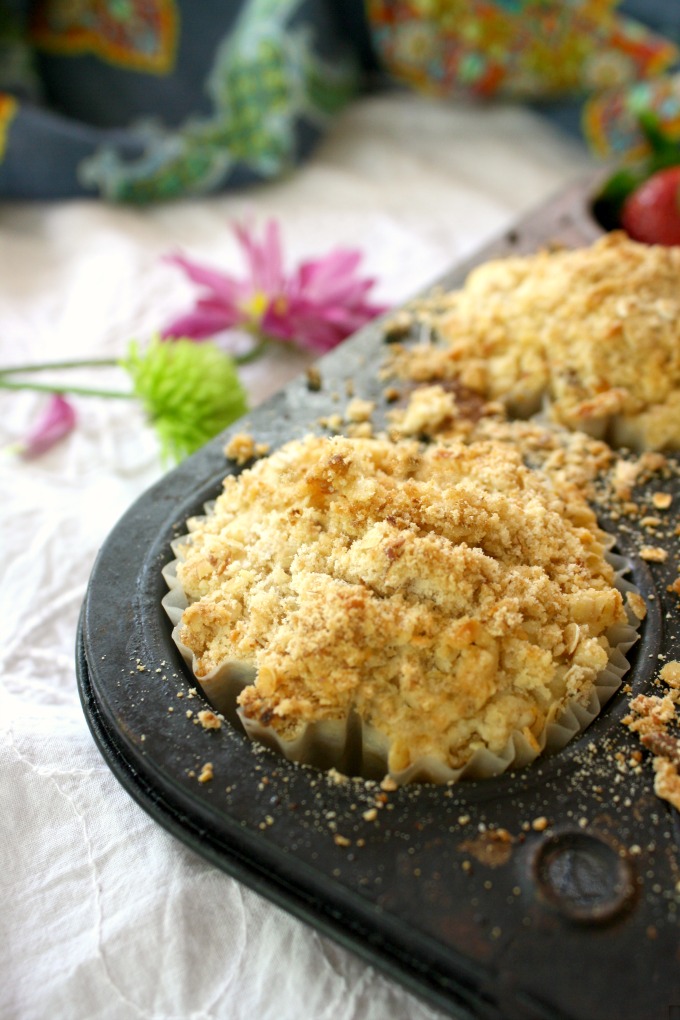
651	213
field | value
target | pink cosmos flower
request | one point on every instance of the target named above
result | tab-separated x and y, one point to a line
56	421
315	307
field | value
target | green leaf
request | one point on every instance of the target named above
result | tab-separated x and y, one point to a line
664	152
190	391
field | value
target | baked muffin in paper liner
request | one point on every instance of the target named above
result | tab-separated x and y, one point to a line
377	607
589	335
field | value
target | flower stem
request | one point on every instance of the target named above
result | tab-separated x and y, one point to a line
56	365
252	355
78	391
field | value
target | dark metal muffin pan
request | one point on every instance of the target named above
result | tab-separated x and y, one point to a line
546	894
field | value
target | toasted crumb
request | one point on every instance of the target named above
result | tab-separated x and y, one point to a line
429	407
314	380
540	824
398	326
208	720
206	773
339	778
242	447
662	500
637	604
359	410
360	430
653	554
670	673
667	781
341	840
663	745
649	712
333	422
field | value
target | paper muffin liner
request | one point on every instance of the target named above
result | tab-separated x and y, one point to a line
353	747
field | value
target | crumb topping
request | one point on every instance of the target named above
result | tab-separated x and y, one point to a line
448	595
654	718
242	447
594	330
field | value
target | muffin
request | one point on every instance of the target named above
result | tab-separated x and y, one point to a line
591	335
431	611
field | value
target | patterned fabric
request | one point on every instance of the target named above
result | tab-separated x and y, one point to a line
137	34
527	49
537	50
610	120
8	109
263	82
142	100
154	99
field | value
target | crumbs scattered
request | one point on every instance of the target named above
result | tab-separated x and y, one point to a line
670	674
637	604
662	500
332	422
493	847
359	410
654	718
242	447
314	380
339	778
209	721
398	326
653	554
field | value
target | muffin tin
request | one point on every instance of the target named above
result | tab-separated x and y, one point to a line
551	893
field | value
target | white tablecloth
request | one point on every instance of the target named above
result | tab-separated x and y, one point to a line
102	913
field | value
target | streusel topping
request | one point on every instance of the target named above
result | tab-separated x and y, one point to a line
449	595
594	331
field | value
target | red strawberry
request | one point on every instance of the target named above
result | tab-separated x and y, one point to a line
652	212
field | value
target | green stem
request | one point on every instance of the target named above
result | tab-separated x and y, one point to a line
86	391
78	391
57	365
252	355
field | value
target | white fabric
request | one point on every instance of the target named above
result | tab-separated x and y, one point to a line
103	915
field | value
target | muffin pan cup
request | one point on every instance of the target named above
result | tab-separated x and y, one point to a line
357	749
549	893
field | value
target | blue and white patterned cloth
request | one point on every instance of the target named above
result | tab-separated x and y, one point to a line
145	100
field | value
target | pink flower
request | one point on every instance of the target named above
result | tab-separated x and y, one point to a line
315	307
56	421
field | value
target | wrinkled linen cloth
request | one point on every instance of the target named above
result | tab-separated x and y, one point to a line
103	914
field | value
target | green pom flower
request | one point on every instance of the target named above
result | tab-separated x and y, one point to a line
190	391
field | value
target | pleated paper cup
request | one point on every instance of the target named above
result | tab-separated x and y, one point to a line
354	747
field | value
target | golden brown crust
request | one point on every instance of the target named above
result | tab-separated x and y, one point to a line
595	330
655	719
450	596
